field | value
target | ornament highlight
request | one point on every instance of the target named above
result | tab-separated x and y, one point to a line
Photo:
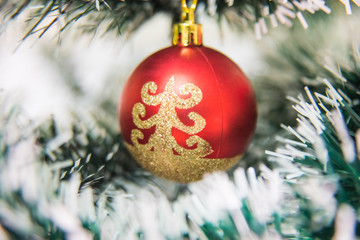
187	110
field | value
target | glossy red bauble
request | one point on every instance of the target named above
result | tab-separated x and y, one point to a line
186	111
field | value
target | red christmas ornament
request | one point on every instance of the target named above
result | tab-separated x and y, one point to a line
187	110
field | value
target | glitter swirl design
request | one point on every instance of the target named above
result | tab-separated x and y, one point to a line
162	155
166	118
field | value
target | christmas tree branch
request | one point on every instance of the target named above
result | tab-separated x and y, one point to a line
82	183
123	17
325	152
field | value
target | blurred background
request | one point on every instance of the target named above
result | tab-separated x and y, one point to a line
66	86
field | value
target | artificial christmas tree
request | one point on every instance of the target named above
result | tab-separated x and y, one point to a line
299	179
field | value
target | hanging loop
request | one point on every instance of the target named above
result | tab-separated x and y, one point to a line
188	13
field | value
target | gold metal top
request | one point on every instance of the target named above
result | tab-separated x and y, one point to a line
187	32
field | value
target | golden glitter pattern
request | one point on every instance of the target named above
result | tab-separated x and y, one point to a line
161	154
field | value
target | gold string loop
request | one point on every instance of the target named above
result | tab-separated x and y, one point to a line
188	13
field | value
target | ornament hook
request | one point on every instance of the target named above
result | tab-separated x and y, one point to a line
188	13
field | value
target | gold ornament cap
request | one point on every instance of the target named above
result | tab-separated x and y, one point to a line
187	32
